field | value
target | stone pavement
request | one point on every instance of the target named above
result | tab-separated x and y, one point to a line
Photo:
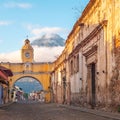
52	112
5	105
111	115
38	111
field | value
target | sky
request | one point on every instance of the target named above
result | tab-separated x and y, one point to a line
33	18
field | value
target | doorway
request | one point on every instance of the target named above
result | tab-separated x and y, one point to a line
64	90
93	85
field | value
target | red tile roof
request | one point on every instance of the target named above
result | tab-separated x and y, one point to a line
3	76
7	71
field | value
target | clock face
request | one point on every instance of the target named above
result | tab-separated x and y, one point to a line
27	54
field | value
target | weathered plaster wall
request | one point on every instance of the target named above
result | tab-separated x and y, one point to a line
96	38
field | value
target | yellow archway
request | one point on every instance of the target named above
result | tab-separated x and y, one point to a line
39	71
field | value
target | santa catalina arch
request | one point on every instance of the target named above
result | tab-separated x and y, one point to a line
28	68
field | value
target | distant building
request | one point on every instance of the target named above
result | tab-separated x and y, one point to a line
37	96
17	94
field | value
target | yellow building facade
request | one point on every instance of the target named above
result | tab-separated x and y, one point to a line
87	72
29	68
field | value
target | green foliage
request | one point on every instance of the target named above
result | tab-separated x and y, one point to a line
118	108
25	95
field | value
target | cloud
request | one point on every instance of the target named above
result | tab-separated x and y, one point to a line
41	54
27	79
48	30
10	57
17	5
36	31
4	23
47	54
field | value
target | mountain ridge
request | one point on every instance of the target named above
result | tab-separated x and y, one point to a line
49	40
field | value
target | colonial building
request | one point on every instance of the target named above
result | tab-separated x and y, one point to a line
87	72
4	84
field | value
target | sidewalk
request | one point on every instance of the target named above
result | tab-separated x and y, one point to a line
5	105
114	116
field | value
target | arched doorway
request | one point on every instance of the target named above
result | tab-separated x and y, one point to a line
27	89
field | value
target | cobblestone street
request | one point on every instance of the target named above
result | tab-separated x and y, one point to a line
37	111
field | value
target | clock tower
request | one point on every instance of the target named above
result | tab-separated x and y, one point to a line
27	54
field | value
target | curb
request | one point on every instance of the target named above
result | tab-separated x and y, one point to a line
5	105
114	116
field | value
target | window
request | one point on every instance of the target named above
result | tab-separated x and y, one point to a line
71	67
77	63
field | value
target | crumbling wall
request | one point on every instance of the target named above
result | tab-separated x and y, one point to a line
114	87
79	99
